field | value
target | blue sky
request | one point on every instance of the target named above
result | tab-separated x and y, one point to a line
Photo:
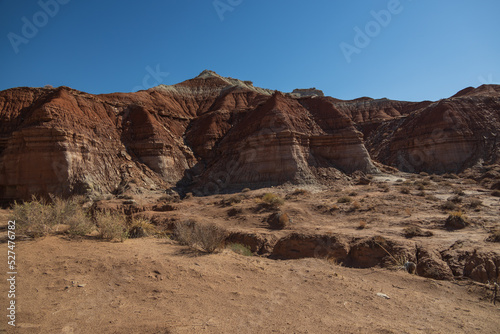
424	50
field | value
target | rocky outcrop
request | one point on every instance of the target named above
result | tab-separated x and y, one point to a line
307	92
211	134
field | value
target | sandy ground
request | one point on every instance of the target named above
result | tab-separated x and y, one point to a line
155	286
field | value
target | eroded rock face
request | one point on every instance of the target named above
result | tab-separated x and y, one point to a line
211	134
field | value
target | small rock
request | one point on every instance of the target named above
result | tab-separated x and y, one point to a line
81	285
383	295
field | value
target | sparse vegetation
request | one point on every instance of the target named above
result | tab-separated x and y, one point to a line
494	235
34	218
38	218
299	191
496	193
240	249
355	206
232	200
279	220
415	231
140	228
205	237
455	199
456	220
405	190
111	226
273	201
344	199
448	206
475	203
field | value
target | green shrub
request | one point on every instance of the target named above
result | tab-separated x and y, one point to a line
240	249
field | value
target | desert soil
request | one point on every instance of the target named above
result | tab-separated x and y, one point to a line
155	285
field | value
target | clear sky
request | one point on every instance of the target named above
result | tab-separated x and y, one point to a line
407	50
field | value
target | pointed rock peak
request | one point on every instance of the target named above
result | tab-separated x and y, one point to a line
208	74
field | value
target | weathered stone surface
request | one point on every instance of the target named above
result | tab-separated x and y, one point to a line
431	265
211	134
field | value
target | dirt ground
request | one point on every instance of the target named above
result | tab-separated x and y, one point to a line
155	285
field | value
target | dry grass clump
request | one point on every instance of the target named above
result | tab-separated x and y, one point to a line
456	220
245	190
38	217
494	235
344	199
355	206
205	237
405	190
232	200
448	206
362	225
415	231
455	199
299	191
141	228
34	218
475	203
111	226
458	192
272	200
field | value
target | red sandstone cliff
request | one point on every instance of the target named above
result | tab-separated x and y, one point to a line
211	134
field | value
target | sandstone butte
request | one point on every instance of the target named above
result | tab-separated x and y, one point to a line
213	134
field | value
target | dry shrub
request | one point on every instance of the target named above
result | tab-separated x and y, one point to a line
279	220
362	225
38	218
405	190
475	203
494	236
207	237
415	231
141	228
448	206
34	219
232	200
245	190
111	226
355	206
456	220
80	223
272	200
344	199
455	199
299	191
496	193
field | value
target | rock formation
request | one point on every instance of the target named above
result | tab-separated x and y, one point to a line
211	134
